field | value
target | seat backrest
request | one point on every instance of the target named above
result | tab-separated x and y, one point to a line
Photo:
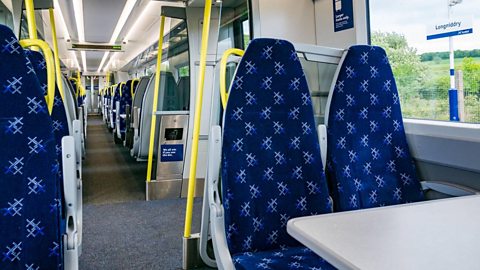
71	89
369	162
59	115
271	165
126	97
140	91
184	89
29	201
166	81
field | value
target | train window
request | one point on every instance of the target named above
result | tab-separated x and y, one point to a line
421	66
246	32
176	67
6	17
234	26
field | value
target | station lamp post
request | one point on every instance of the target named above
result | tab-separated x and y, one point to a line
453	92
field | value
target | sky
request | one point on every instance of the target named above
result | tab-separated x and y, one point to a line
411	18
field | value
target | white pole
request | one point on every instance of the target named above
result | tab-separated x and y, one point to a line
452	57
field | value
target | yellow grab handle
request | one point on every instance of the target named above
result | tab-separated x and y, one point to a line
47	54
132	93
155	100
197	117
120	88
55	54
223	73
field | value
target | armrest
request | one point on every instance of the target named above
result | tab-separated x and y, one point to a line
217	221
322	140
70	191
448	188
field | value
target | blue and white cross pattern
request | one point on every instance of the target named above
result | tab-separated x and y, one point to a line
59	115
28	185
368	160
271	165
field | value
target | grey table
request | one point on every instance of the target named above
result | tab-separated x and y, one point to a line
440	234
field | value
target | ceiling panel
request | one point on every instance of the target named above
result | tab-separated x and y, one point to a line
93	60
101	17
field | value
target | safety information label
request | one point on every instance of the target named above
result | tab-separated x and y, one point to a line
342	15
171	152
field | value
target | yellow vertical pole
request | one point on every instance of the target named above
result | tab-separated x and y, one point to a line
79	83
155	100
197	118
55	53
32	25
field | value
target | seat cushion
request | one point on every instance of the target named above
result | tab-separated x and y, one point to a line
289	258
369	162
271	167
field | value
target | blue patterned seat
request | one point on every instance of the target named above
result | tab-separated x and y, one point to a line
29	201
288	258
59	115
113	103
271	165
125	99
369	162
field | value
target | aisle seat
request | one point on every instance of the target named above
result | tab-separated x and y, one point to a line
128	142
271	169
61	123
113	101
369	163
31	203
125	100
136	112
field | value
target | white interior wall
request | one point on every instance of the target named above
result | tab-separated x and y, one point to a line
324	20
293	20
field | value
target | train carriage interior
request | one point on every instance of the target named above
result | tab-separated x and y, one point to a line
239	134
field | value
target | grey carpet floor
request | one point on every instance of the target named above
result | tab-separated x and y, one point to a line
110	174
120	229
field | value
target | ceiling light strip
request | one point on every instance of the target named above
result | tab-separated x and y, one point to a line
127	9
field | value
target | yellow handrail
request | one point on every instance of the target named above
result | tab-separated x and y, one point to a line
55	54
108	78
79	84
47	54
32	25
132	93
155	100
121	87
197	118
223	73
113	90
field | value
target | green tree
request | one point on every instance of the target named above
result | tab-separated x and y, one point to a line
471	74
407	67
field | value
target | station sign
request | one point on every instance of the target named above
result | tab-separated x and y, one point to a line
342	15
449	28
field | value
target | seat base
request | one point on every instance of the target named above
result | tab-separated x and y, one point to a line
288	258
